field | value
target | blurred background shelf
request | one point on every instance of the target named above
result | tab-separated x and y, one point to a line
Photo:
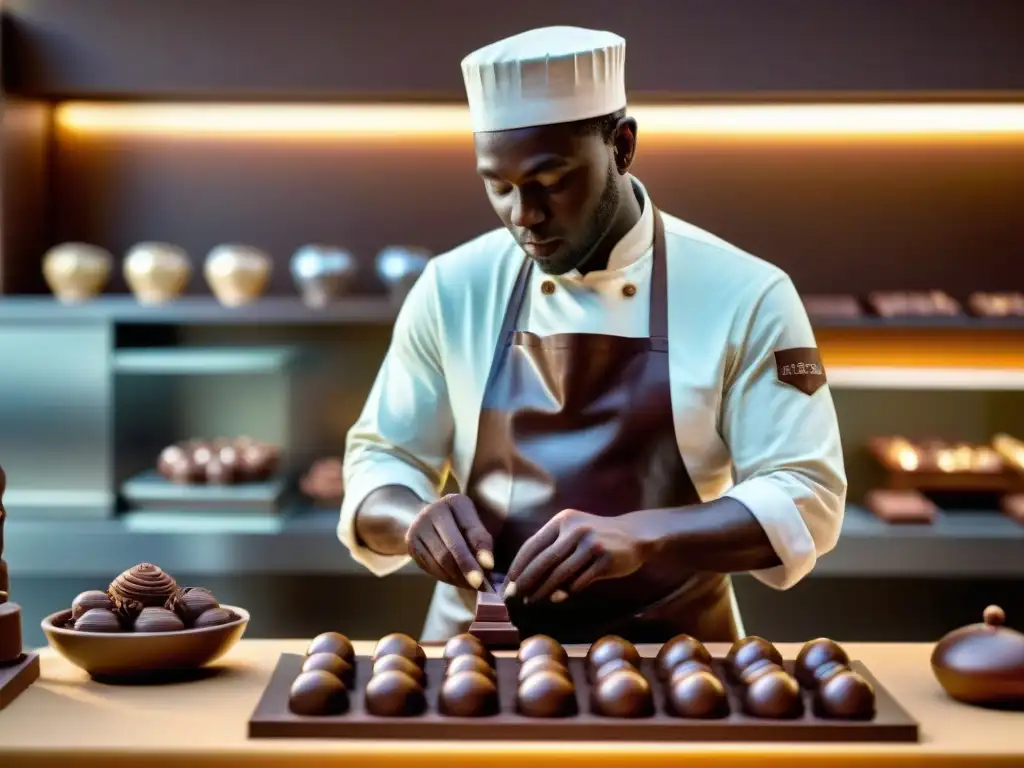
980	544
205	361
891	377
149	490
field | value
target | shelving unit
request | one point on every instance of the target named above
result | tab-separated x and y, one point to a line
187	361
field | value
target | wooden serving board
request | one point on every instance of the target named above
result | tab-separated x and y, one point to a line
273	720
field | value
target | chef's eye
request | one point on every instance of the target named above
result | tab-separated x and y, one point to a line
551	182
498	187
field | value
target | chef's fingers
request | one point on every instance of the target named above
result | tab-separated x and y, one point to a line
538	569
421	556
443	556
592	573
476	535
565	573
527	553
454	541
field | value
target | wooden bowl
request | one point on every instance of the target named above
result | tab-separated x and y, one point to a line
130	654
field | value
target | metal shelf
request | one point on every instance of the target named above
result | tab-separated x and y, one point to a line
185	361
982	544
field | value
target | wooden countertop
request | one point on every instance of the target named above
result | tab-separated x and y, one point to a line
66	719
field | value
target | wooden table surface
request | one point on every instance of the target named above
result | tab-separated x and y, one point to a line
67	719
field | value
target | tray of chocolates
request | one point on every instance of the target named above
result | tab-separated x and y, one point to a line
832	306
997	304
541	692
218	474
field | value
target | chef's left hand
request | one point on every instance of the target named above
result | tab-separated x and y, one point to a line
574	549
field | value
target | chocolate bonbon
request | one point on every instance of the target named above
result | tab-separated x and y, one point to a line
144	583
825	671
697	695
774	695
609	648
466	645
745	652
328	662
687	668
541	645
393	693
318	693
546	693
846	695
623	694
677	650
394	662
399	644
88	600
158	620
813	654
468	694
758	668
470	664
332	642
98	620
219	461
615	665
214	617
542	664
191	602
982	663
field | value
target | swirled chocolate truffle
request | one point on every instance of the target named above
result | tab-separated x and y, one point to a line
687	668
541	645
468	694
680	649
609	648
400	645
546	694
98	620
623	694
466	645
758	668
86	601
317	694
826	671
144	583
775	695
815	653
400	664
214	617
615	665
328	662
845	696
542	664
394	694
745	652
332	642
470	664
699	695
190	602
158	620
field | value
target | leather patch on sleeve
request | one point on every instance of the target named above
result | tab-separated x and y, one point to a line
801	368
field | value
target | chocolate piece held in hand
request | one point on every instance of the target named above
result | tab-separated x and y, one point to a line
336	665
623	694
699	695
394	694
397	663
88	600
468	694
546	694
332	642
144	583
190	602
318	693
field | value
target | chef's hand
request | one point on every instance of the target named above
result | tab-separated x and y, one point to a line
574	549
448	541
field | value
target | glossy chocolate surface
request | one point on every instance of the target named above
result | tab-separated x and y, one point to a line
815	653
542	664
623	694
758	668
982	663
774	695
845	695
332	642
470	664
610	648
399	644
392	693
679	649
468	694
86	601
546	693
328	662
394	662
466	645
318	693
697	695
541	645
158	620
98	620
748	650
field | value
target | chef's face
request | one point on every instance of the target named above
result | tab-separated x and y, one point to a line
557	187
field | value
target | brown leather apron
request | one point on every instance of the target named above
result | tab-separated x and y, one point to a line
584	421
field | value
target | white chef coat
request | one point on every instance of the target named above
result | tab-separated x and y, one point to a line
741	432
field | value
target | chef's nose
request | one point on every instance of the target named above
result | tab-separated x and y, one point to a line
526	213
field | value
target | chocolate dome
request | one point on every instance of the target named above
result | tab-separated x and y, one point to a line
145	583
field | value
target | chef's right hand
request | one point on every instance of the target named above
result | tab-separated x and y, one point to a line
448	541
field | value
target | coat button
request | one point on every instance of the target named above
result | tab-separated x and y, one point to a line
629	290
547	287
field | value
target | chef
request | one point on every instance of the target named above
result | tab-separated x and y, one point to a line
633	409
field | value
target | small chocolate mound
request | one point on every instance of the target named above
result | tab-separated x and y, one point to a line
328	662
158	620
98	620
397	663
543	664
609	648
745	652
615	665
470	664
826	671
679	649
466	645
318	693
394	694
88	600
688	668
468	694
190	602
546	693
758	668
215	617
332	642
145	583
400	645
775	695
699	695
815	653
541	645
623	694
845	696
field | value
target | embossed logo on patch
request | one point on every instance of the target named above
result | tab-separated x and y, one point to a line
801	368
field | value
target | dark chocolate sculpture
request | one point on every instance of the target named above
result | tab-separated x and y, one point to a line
982	664
18	670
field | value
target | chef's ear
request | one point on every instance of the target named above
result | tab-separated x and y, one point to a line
624	142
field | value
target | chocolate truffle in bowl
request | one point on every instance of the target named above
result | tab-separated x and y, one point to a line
145	583
86	601
214	617
97	620
190	603
158	620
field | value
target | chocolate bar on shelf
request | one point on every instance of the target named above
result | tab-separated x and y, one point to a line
936	465
996	304
914	304
825	306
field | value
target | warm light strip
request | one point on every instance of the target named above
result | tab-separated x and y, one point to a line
798	120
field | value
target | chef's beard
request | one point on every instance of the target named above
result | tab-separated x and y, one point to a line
573	256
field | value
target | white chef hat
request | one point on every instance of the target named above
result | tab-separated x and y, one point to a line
545	76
